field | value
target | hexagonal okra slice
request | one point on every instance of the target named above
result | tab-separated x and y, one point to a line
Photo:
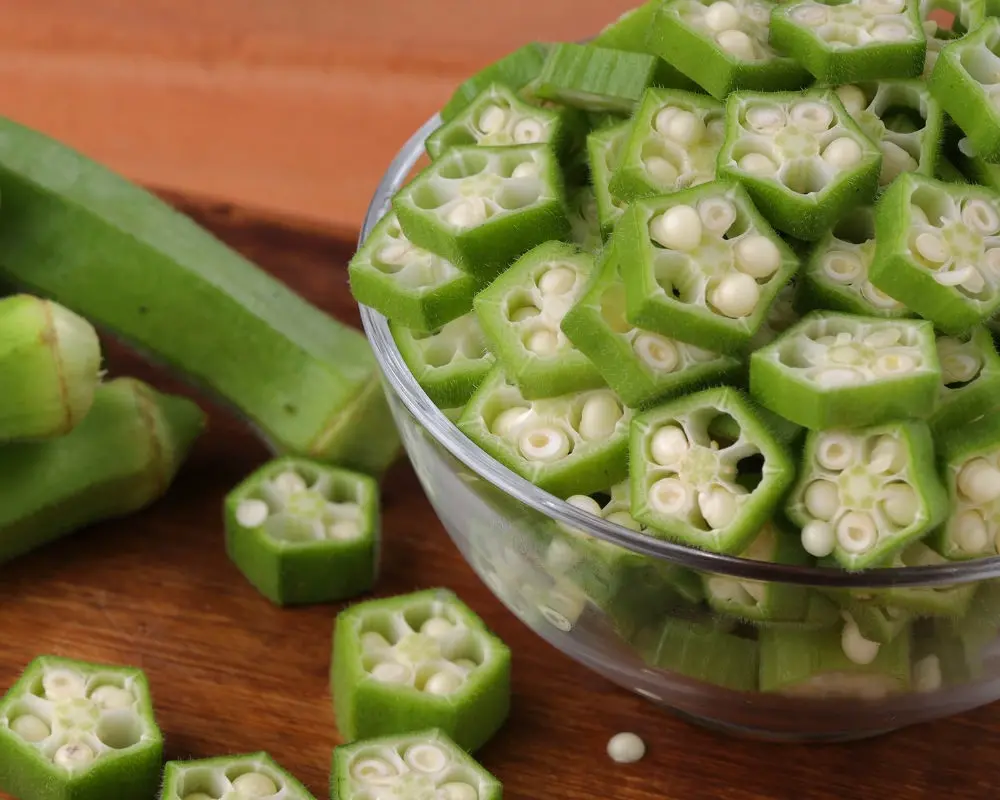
938	250
802	158
970	380
482	208
584	220
701	266
596	78
840	370
520	314
857	40
673	144
605	147
72	730
966	15
303	532
416	661
686	484
237	777
866	495
515	71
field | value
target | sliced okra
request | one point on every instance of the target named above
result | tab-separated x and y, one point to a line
72	730
940	601
515	71
701	266
596	78
584	219
783	312
520	314
966	15
726	428
865	495
835	370
605	147
938	251
417	661
856	40
803	159
970	380
482	208
574	444
450	362
237	777
875	620
685	484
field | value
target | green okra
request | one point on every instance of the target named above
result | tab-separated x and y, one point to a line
596	78
835	370
72	730
520	314
876	621
726	429
515	71
250	775
304	532
605	147
652	595
970	380
120	458
804	161
967	15
416	661
412	765
782	314
573	444
941	601
584	221
818	613
50	362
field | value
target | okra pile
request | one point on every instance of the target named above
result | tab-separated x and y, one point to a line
729	275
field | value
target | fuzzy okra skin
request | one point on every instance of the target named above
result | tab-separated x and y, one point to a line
72	730
122	457
416	661
596	78
235	777
970	380
605	147
515	71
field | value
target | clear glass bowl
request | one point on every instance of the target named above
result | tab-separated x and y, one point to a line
605	595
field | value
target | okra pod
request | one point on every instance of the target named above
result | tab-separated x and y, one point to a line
237	777
515	71
605	147
596	78
970	380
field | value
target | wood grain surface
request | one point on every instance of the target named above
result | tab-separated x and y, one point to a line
230	673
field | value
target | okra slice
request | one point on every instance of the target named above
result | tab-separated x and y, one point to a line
303	532
724	45
604	151
414	765
938	250
875	619
701	266
50	361
407	284
941	601
866	495
573	444
520	314
416	661
970	380
673	144
584	219
782	314
482	208
596	78
515	71
835	370
967	15
237	777
72	730
857	40
450	362
685	483
802	158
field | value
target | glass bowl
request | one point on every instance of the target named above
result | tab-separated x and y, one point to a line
626	604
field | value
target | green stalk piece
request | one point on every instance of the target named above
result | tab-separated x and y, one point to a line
420	660
938	251
50	361
834	370
803	159
237	777
673	144
857	40
515	71
483	208
304	532
605	147
72	730
866	495
596	78
701	266
584	219
725	46
685	484
520	314
970	380
450	363
413	765
573	444
120	458
967	15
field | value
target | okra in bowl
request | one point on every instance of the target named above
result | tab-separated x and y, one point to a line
692	351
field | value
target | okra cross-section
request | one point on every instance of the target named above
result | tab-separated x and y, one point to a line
422	764
701	265
521	311
303	532
605	147
239	777
865	495
515	71
482	208
856	40
595	78
970	380
841	370
417	661
71	730
966	15
686	482
802	158
938	250
573	444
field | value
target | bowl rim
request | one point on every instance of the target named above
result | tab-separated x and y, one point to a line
444	432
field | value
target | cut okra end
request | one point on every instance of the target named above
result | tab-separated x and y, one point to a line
584	219
605	147
416	661
971	456
514	71
965	16
237	777
596	78
970	380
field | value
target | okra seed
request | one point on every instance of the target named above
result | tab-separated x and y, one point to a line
529	169
958	276
599	417
844	354
758	12
254	784
932	247
842	266
842	152
900	503
855	646
344	530
836	452
737	44
112	698
543	342
442	683
394	253
890	32
506	421
465	664
895	161
765	119
981	217
822	499
669	496
991	259
31	728
63	685
883	6
468	213
722	16
585	503
979	481
251	513
818	538
391	672
456	790
374	642
894	364
811	15
927	674
718	507
669	445
524	313
967	148
437	627
492	119
887	456
678	228
959	367
717	215
838	377
857	532
853	98
544	444
656	352
624	519
811	116
527	131
735	296
971	534
886	337
757	256
626	748
73	756
373	770
426	758
757	164
683	127
556	281
877	297
662	170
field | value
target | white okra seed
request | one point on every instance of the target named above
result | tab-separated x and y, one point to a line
442	683
465	664
458	790
345	530
669	496
737	44
254	784
843	152
528	131
895	161
853	98
957	276
841	266
932	247
556	281
391	672
718	506
981	216
289	483
683	126
426	757
251	513
492	119
508	420
677	228
626	748
112	698
974	281
757	256
957	367
877	297
599	417
838	378
529	169
717	215
970	532
437	627
886	337
394	253
818	538
855	646
74	756
857	532
979	480
822	499
722	16
544	443
624	519
811	115
468	213
894	364
669	445
373	770
585	503
524	313
63	684
543	342
927	674
662	170
836	451
31	728
967	148
735	296
887	456
811	14
891	32
374	642
991	260
900	503
656	352
757	164
882	7
765	119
